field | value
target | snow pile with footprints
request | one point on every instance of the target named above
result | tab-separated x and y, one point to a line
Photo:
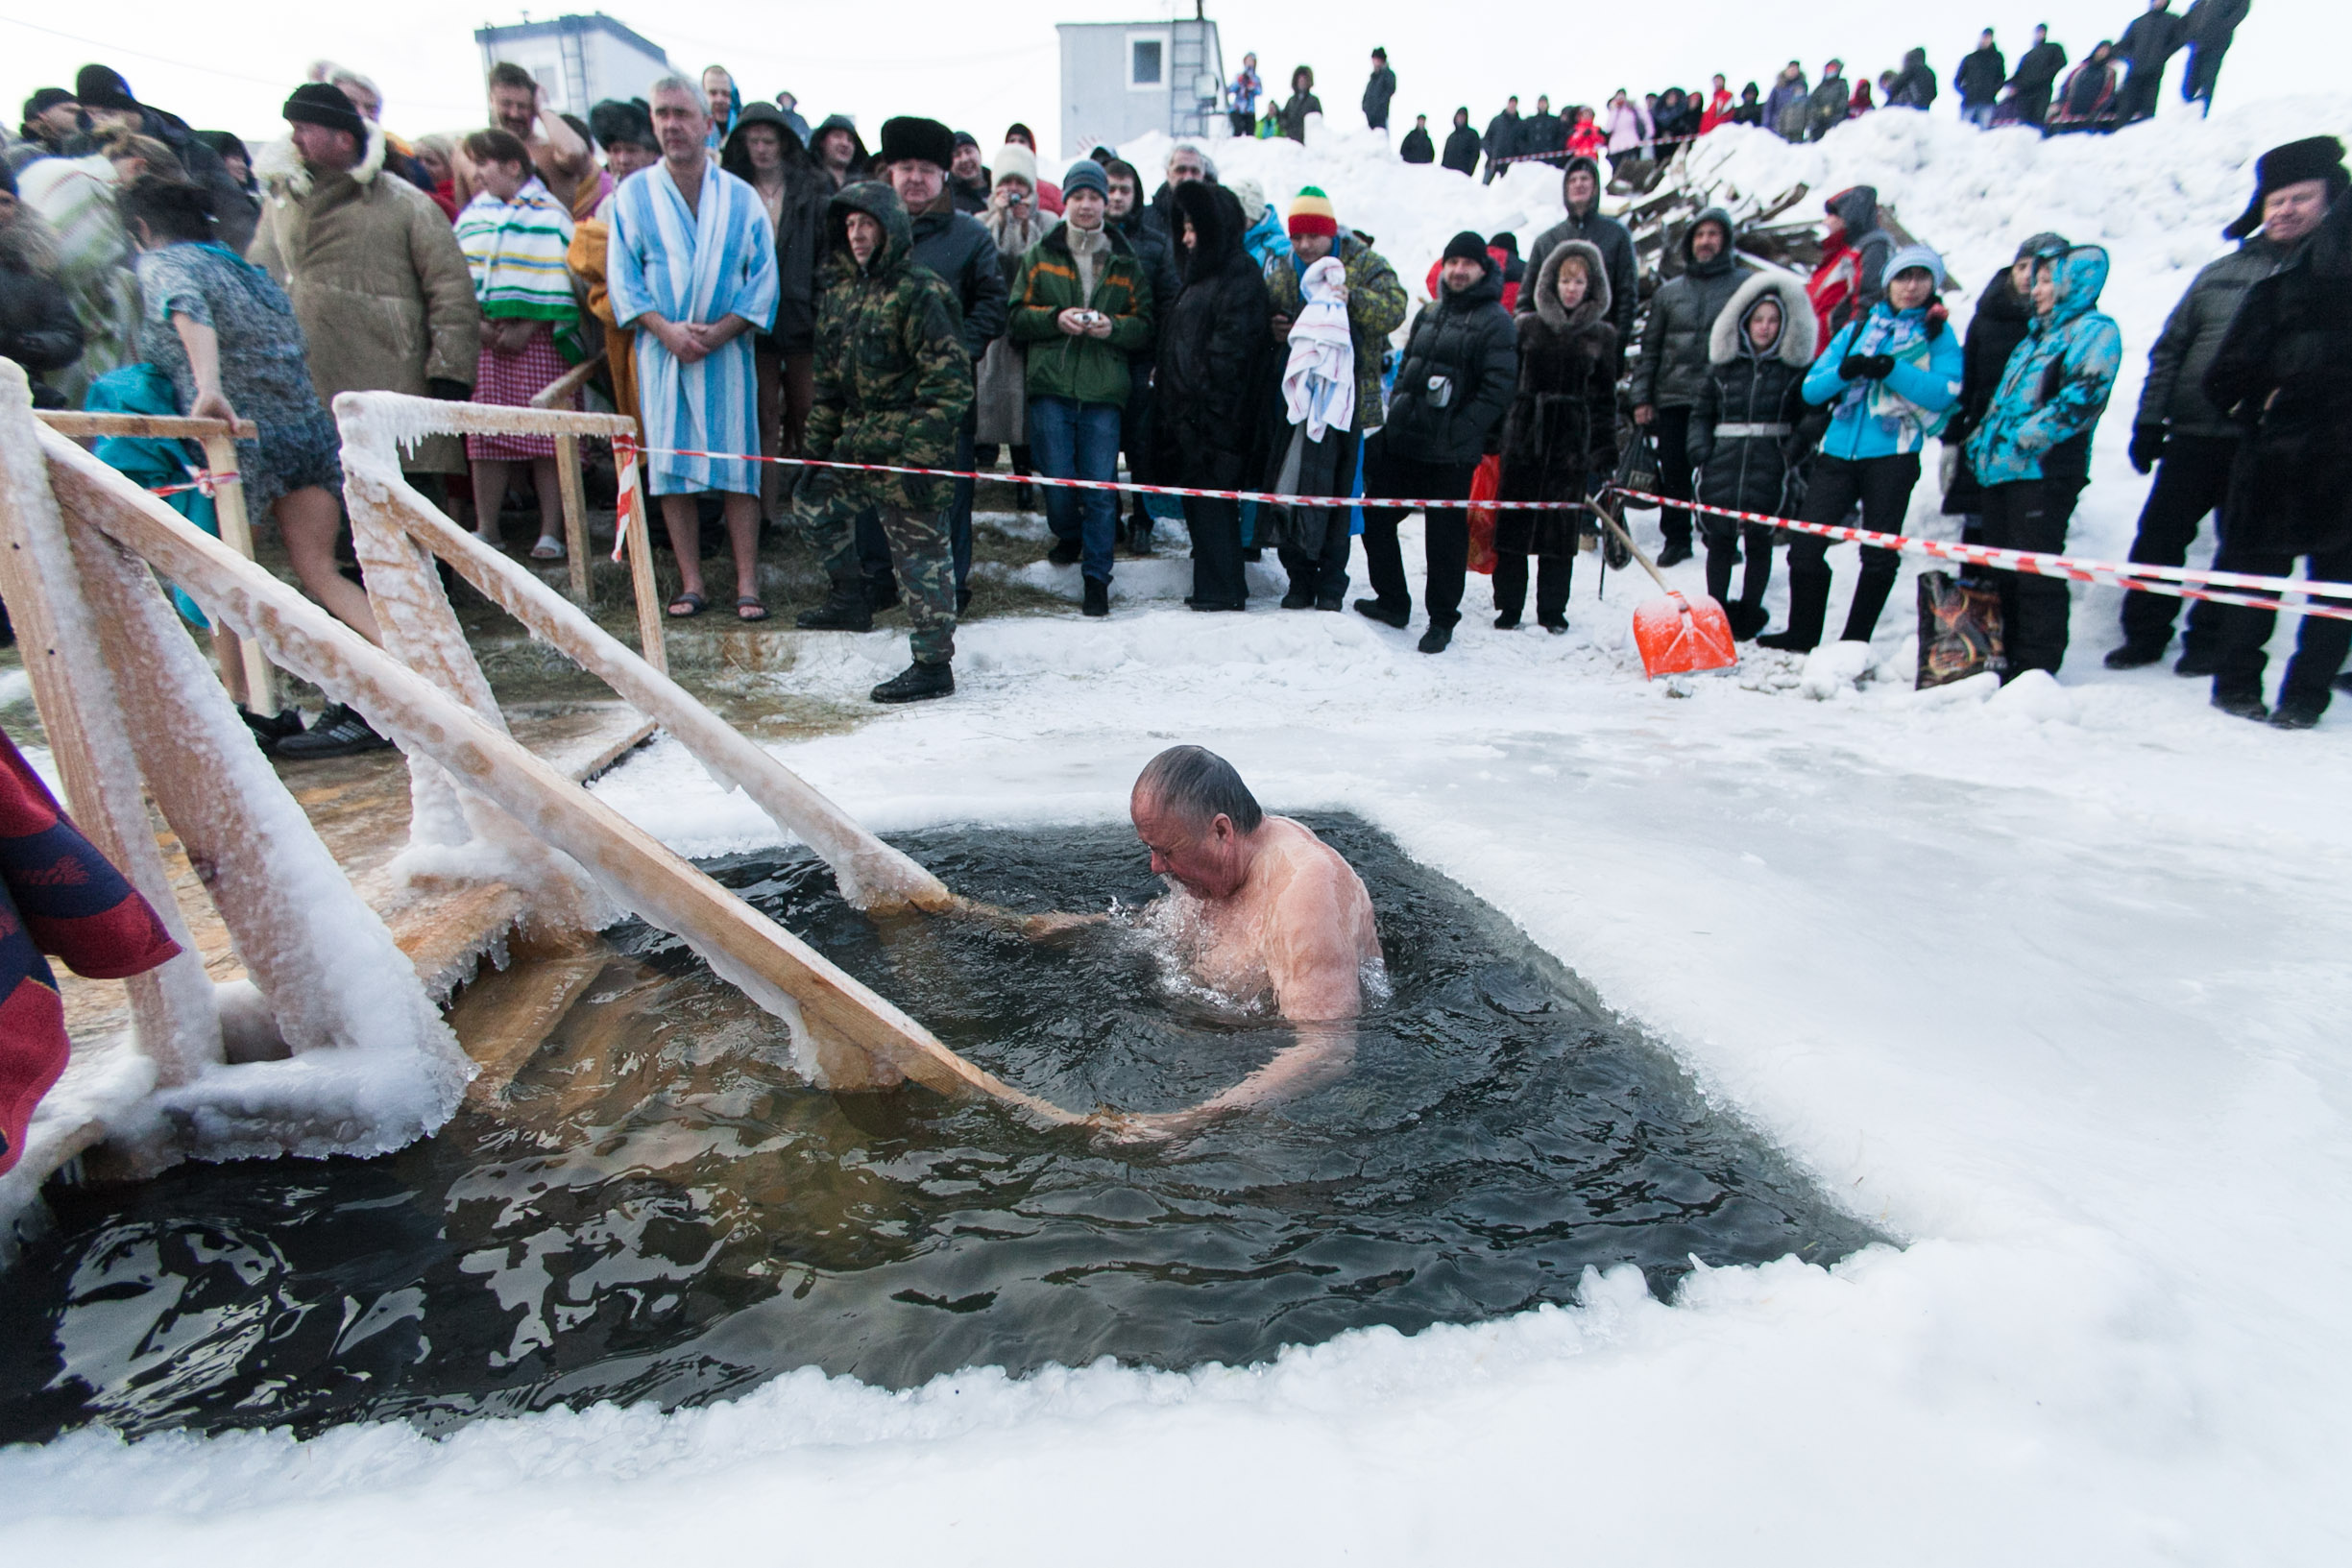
2050	984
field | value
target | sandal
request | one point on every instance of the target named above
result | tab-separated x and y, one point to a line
548	548
692	605
748	608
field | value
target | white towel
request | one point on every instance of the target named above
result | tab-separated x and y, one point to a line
1319	384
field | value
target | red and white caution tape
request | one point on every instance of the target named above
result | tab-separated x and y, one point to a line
2177	582
625	504
206	482
1262	496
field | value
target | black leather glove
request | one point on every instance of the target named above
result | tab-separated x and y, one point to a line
1854	367
2147	445
1877	367
446	389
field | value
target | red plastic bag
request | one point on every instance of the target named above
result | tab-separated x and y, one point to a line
1485	485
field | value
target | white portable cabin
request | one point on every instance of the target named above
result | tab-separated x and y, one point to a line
578	60
1121	80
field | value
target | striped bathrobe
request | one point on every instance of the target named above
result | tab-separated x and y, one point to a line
694	265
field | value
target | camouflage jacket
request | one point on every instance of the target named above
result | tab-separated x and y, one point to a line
893	379
1376	308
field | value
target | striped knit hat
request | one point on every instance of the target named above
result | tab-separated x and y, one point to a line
1311	214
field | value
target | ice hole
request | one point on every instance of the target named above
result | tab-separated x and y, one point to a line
656	1208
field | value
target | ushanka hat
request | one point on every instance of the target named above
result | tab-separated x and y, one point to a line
909	139
1311	214
2314	157
623	120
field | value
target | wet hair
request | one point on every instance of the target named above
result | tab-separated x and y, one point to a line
173	209
680	87
1199	787
496	146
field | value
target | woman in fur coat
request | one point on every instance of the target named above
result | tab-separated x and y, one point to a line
1744	436
1560	438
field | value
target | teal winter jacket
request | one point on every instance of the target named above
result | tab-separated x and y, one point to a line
2056	384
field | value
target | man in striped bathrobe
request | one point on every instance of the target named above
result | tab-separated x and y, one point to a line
693	269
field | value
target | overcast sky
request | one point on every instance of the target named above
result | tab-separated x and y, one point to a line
978	67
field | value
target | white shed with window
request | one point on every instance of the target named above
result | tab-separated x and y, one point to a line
1120	80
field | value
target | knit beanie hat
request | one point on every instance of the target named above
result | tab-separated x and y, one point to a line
45	100
101	86
2314	157
2044	244
1311	214
1014	161
1916	255
316	102
1252	197
1471	246
1085	175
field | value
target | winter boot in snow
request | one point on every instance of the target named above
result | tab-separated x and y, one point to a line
1098	597
847	608
2294	717
2240	702
1746	619
339	732
1437	639
2198	663
1809	605
1301	597
1673	553
916	682
1870	595
1385	614
2135	656
882	591
1066	552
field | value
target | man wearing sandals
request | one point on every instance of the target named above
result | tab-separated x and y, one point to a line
893	385
692	269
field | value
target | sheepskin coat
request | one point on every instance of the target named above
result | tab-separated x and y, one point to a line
1560	433
377	279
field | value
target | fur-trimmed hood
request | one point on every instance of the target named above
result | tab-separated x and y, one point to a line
1597	299
282	174
1727	339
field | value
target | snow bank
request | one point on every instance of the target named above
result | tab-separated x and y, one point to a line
2060	1003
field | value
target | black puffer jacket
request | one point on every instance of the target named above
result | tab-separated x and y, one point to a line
2175	391
1743	432
954	245
1561	430
1682	313
1216	369
1157	252
2284	372
1462	149
1468	343
1604	234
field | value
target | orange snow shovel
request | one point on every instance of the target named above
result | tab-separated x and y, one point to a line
1674	635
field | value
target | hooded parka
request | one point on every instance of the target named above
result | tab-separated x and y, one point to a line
1744	433
1216	358
1560	433
1682	313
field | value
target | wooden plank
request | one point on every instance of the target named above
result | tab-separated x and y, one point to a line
160	427
431	416
171	1011
652	616
575	516
503	1017
566	386
236	531
871	872
854	1038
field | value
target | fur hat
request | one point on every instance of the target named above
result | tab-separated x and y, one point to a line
101	86
909	139
614	120
1085	175
315	102
1014	161
1470	245
1312	214
2314	157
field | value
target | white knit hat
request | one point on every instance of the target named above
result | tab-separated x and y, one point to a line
1014	159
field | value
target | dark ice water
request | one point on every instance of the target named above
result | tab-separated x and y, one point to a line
656	1209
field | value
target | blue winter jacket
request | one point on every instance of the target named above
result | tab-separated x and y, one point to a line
1267	239
2056	384
1894	416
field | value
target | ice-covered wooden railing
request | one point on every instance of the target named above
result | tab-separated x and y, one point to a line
248	675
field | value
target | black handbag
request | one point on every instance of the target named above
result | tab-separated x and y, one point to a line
1638	471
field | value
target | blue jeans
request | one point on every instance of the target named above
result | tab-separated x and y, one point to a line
1071	439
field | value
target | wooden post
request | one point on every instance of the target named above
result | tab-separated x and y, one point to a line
650	610
871	874
843	1034
575	516
236	531
172	1014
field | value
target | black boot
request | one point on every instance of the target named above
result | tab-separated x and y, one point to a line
1385	614
882	592
1809	605
919	682
1870	596
847	608
2135	656
2197	662
2241	703
1301	596
1746	619
339	732
1066	552
1437	638
1098	597
1673	553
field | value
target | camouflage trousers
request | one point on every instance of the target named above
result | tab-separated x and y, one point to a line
919	553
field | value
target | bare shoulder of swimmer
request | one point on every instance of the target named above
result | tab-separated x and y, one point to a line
1318	934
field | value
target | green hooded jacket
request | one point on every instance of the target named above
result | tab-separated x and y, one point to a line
893	379
1083	369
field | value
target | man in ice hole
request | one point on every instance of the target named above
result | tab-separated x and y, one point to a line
1264	909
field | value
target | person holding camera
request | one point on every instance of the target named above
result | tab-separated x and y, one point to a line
1083	304
1460	364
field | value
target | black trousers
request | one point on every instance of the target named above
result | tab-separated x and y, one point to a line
1216	527
2033	107
1671	430
1324	574
1553	574
1135	435
1446	542
2192	480
1725	543
1884	486
2031	515
2319	647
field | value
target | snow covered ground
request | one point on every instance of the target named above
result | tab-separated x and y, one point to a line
2053	986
